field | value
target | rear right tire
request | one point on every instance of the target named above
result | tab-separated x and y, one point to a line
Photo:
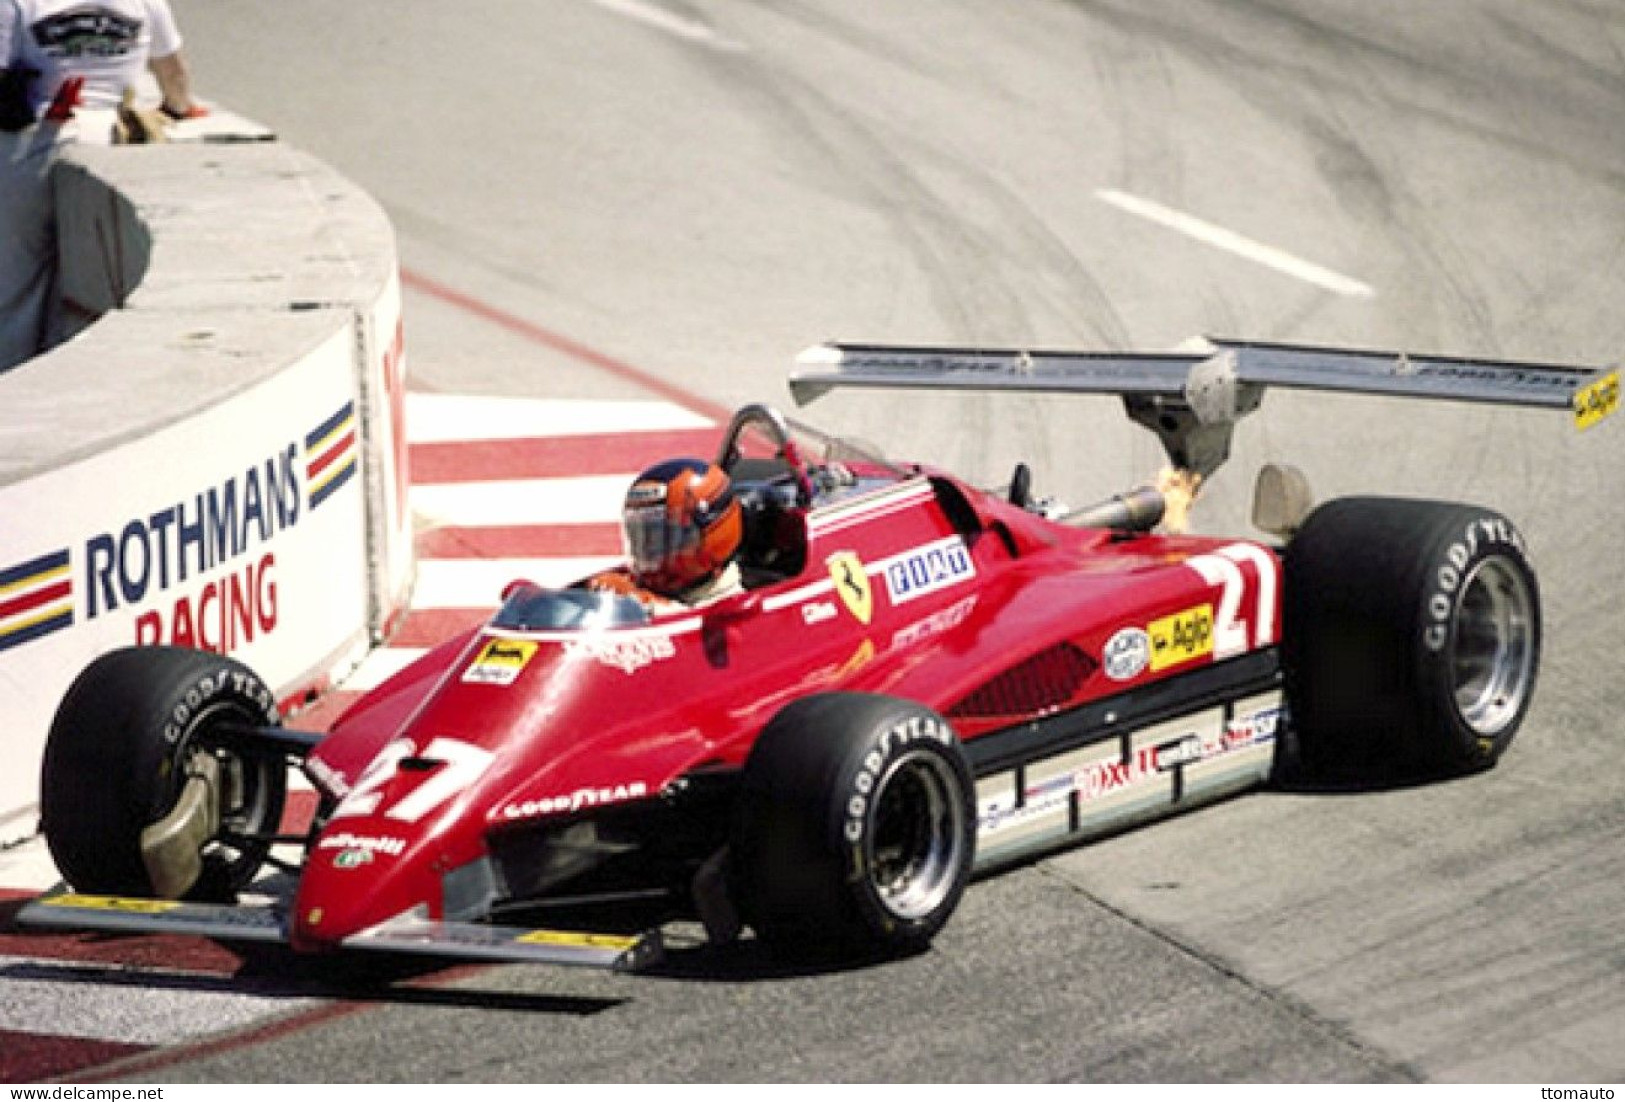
1411	638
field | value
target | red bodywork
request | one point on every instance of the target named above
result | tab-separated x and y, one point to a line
911	584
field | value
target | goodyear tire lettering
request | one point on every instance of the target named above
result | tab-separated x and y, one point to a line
1481	534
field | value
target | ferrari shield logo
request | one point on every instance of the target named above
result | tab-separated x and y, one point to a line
852	584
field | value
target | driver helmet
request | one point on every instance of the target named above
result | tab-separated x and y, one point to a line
683	525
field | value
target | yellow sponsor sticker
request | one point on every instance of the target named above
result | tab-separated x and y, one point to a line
500	661
1599	400
112	903
574	939
1181	637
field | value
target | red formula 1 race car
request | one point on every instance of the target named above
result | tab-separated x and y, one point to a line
920	681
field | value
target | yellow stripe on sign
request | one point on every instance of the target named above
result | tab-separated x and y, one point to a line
577	940
20	626
1597	401
112	903
327	441
338	470
44	577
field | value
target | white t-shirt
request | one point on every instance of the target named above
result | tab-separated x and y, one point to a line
108	42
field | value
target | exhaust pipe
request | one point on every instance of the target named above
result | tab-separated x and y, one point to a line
1135	511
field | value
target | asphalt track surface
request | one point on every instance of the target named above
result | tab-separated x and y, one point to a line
590	192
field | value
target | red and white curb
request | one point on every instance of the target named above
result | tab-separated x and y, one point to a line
502	488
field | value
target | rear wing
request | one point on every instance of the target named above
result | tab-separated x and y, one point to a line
1192	400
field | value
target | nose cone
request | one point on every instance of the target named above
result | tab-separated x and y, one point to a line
362	871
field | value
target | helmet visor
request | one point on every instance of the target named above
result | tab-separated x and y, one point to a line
657	542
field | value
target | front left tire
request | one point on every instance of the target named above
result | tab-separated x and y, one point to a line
120	750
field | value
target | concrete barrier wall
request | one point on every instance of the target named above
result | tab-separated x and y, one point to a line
218	459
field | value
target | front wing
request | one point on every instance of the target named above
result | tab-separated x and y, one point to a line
266	923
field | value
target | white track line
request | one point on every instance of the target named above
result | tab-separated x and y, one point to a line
381	665
438	418
1236	244
691	30
111	1002
522	501
28	867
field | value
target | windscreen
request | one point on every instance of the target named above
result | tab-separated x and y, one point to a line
533	609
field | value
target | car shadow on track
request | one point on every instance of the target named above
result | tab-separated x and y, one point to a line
749	961
1362	776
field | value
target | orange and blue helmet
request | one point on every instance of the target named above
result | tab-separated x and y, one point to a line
683	525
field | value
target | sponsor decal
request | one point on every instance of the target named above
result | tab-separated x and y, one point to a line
817	612
1106	776
1252	729
1127	654
935	624
330	454
352	858
628	655
1181	637
383	845
220	526
647	495
198	573
1181	751
852	584
222	616
577	940
576	801
1597	401
926	570
36	598
1100	779
500	662
998	814
111	903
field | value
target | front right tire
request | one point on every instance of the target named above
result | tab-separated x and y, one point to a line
855	829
